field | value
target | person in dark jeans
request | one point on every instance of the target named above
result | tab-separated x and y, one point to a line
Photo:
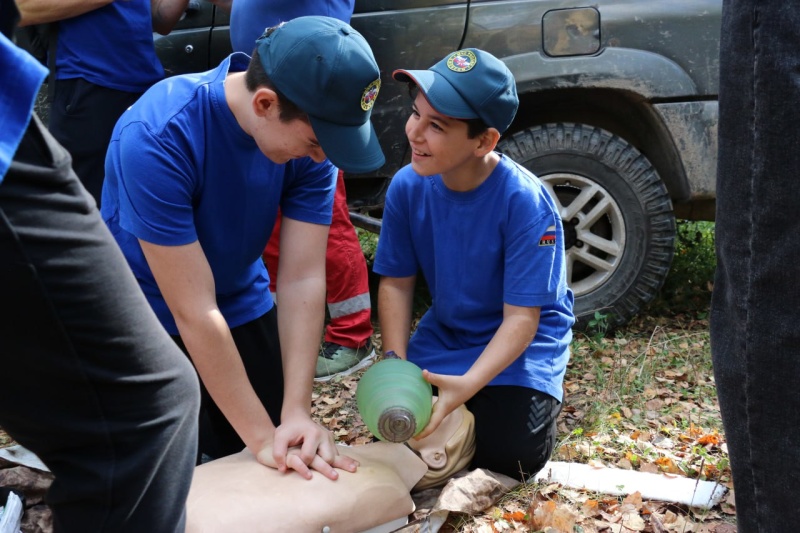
90	381
755	338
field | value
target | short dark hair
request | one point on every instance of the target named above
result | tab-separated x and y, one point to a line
256	77
475	126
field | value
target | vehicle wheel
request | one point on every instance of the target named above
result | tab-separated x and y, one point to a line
619	228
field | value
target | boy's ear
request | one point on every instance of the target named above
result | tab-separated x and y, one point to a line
488	141
265	101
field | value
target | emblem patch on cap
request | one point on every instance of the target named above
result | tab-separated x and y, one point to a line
549	237
370	94
462	61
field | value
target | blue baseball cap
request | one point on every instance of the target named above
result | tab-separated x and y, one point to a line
327	69
469	83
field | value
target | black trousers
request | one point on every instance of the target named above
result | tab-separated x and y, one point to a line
515	429
260	349
82	118
89	379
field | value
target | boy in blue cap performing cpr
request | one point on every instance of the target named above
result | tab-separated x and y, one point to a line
489	242
195	173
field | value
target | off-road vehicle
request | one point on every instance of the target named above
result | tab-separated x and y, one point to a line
618	116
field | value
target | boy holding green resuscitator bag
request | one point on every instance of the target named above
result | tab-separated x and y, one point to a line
488	239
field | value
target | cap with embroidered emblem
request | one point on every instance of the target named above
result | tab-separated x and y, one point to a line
468	83
327	69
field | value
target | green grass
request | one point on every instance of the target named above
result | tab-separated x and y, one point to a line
691	278
369	243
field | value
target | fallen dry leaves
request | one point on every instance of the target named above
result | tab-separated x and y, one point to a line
644	400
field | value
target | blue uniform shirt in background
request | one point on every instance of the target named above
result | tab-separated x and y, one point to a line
120	57
22	76
249	18
501	242
180	169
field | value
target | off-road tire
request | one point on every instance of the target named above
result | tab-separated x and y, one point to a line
620	235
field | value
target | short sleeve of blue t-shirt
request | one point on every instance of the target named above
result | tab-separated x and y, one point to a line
158	211
533	263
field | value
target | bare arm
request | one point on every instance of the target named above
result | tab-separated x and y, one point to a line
44	11
186	282
395	299
301	315
515	333
167	13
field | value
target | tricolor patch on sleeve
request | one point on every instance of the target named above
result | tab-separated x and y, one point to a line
549	237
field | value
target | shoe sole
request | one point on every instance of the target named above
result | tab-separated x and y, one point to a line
368	360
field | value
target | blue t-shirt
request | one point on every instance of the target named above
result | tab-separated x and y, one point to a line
249	18
22	76
501	242
111	46
180	169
